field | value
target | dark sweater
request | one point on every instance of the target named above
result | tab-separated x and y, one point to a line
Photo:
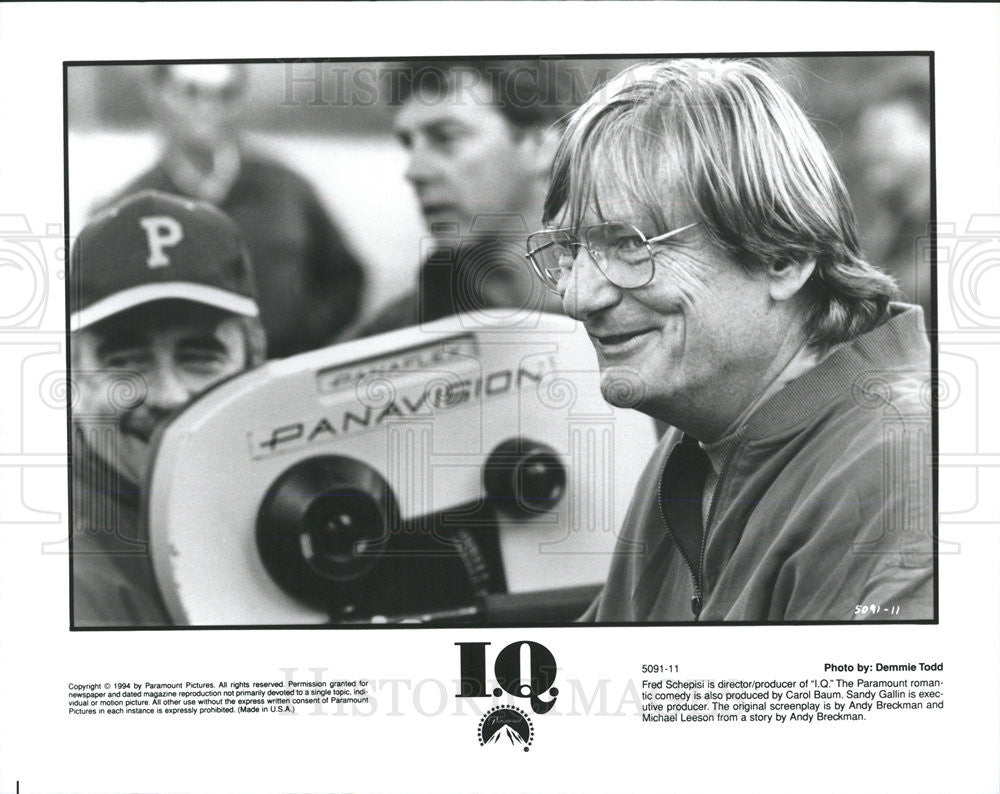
308	281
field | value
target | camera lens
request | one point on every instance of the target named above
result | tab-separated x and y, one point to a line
338	526
324	522
542	479
524	477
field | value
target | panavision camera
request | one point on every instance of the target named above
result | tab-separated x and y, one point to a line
456	472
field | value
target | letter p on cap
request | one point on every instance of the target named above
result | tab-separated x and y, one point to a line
162	231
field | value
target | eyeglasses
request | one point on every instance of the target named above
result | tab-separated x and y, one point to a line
622	253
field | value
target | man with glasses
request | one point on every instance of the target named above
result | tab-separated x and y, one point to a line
699	229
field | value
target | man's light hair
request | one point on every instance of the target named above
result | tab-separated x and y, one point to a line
740	150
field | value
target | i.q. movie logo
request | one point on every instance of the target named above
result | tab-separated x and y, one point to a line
509	724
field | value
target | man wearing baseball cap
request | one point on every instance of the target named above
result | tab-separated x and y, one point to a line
163	307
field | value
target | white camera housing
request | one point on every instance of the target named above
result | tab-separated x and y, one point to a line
424	408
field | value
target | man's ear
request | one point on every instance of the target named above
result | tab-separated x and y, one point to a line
787	277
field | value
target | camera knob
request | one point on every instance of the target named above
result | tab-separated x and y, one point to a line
324	521
524	477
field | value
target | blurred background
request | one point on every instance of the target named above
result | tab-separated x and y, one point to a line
331	122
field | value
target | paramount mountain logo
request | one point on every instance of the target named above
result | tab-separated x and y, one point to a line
506	725
524	669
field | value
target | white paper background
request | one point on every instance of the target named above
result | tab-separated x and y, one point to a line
403	749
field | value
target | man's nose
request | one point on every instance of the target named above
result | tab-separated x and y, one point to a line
589	291
168	390
421	166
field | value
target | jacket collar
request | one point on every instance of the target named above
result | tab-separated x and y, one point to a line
898	344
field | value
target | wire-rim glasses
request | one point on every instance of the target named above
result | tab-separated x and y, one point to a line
622	253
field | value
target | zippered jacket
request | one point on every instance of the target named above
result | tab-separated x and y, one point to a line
823	509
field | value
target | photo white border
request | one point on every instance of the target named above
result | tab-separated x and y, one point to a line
401	749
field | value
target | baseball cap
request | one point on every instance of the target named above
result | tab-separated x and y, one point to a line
152	246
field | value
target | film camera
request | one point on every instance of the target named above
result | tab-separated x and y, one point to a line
434	474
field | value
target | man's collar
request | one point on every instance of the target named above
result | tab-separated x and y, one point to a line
804	359
898	344
213	186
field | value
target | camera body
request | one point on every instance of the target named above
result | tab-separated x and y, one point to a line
397	477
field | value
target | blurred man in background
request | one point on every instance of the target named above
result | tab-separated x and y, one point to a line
479	141
163	307
893	143
309	282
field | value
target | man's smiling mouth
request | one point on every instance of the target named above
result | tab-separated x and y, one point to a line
622	343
